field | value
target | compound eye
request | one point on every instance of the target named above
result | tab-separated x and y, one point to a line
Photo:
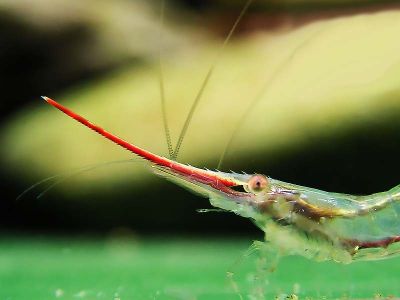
257	183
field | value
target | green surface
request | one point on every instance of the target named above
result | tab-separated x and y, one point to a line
45	268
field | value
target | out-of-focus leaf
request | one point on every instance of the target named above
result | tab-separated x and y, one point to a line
335	74
115	30
51	45
313	4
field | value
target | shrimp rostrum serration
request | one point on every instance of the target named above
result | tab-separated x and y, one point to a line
296	220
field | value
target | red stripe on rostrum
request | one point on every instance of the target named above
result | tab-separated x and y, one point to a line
383	243
197	174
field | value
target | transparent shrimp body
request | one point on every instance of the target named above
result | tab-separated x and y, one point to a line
312	223
330	226
296	220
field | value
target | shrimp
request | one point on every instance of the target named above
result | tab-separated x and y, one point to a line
296	220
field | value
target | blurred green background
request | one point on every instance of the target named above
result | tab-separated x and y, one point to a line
322	79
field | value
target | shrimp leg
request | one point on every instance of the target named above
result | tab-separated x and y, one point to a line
266	263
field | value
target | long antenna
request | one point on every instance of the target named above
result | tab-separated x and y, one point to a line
254	102
59	178
161	82
206	80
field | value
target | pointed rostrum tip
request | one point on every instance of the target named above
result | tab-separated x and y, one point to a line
52	102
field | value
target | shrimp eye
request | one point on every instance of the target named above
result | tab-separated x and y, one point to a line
257	183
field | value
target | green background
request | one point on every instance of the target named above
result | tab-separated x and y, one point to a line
174	268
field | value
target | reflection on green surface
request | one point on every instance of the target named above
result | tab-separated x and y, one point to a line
46	268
